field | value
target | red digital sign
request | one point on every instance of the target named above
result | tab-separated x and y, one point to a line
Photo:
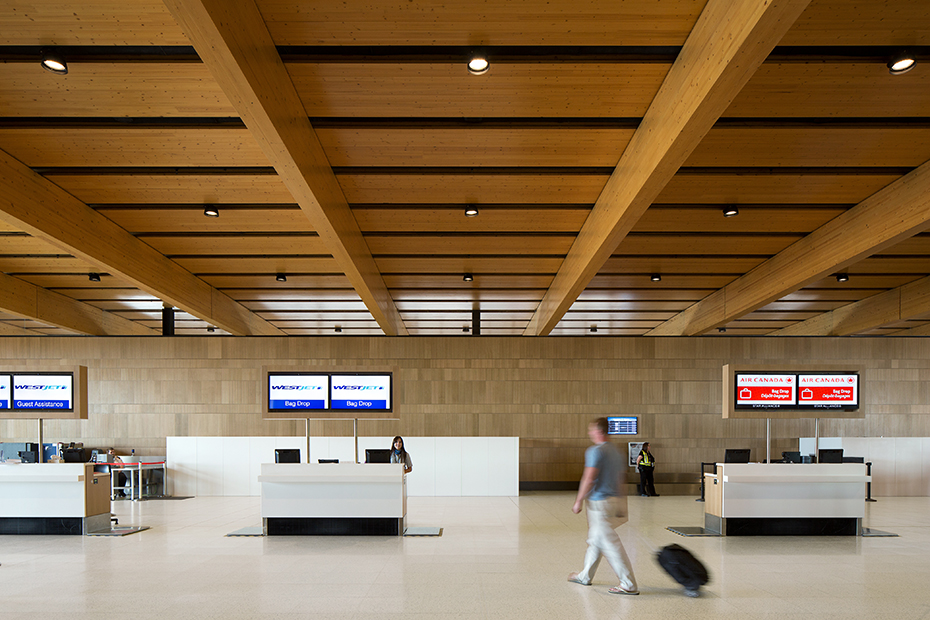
828	390
766	390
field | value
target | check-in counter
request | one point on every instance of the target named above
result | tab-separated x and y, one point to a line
53	498
333	499
785	499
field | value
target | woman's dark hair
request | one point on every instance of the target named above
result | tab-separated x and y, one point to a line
403	449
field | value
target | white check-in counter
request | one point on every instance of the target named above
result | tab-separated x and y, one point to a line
333	499
785	498
53	498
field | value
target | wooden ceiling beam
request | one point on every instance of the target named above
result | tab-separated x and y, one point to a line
898	304
887	217
44	210
234	43
729	42
34	302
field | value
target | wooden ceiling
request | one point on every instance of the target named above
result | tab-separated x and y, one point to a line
343	141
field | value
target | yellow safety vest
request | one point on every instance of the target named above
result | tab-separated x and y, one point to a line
646	461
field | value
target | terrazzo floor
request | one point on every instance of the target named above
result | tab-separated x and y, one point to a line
496	558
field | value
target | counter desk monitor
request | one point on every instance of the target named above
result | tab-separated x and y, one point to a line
830	455
73	455
287	455
791	457
373	455
736	456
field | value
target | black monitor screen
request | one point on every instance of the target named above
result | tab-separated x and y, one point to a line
791	457
73	455
377	456
830	455
287	455
736	456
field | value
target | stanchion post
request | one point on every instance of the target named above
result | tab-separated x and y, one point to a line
868	485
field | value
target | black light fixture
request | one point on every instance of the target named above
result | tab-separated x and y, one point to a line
211	329
93	277
655	277
338	330
468	277
593	329
211	211
471	211
842	277
730	211
478	64
54	62
466	329
722	330
280	277
901	63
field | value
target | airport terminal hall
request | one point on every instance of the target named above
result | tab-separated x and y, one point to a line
475	310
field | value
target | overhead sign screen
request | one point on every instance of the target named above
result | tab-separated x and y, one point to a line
287	392
45	391
5	382
622	425
828	391
765	390
362	391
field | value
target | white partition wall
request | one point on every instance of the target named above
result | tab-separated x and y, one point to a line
442	466
900	465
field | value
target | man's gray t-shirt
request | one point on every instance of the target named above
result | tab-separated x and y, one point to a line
609	463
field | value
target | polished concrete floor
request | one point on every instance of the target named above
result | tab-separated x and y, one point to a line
496	558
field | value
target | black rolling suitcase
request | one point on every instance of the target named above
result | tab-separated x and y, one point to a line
683	568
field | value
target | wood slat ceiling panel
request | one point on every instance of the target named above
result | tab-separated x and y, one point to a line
186	220
848	295
560	22
890	265
830	89
473	146
24	244
331	281
113	90
73	281
853	22
463	306
670	264
519	317
346	331
468	264
573	331
438	245
861	281
605	325
642	294
919	244
617	306
813	146
266	294
606	283
108	294
801	306
458	325
300	245
443	282
751	218
618	316
564	89
16	265
259	264
90	22
173	188
314	306
490	219
132	146
468	295
8	228
773	188
708	245
354	324
472	188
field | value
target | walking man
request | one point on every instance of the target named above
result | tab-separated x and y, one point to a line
601	489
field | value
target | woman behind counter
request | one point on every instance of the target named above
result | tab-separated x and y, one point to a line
399	455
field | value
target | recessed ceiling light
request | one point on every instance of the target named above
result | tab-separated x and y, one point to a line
338	330
468	277
466	329
655	277
54	62
471	211
478	65
211	211
93	277
730	211
902	62
722	330
211	329
280	277
842	277
593	329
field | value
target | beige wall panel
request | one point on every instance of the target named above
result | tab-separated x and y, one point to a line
774	188
813	146
173	188
464	146
507	90
486	22
877	22
132	146
232	219
543	390
864	90
90	22
113	89
472	188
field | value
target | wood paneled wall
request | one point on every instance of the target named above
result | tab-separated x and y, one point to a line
544	390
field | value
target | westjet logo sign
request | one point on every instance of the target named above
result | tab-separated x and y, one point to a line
298	392
296	387
42	392
358	387
369	392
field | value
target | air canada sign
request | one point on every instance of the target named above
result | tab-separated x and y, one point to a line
766	390
828	390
